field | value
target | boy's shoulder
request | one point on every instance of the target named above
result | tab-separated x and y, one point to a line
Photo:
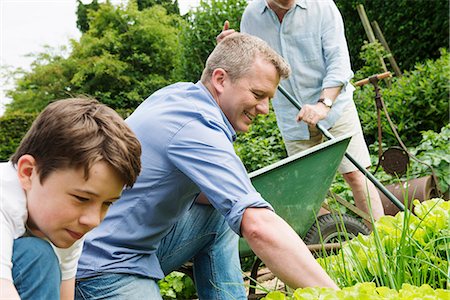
12	200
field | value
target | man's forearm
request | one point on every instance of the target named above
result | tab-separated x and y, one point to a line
282	250
331	93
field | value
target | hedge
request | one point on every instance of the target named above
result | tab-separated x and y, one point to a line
416	102
12	128
414	29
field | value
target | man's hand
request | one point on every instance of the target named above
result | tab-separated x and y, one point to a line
226	31
312	114
282	250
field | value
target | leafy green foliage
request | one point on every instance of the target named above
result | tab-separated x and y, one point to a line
407	248
434	150
48	80
405	257
371	54
125	56
414	30
177	285
198	38
170	5
83	10
366	290
418	101
262	145
12	130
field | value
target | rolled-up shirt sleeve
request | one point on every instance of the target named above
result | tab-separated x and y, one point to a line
203	151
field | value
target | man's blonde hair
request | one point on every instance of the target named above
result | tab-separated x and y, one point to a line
77	133
236	54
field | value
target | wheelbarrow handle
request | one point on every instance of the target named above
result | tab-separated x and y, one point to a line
328	135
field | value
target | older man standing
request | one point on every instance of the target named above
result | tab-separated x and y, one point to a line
309	34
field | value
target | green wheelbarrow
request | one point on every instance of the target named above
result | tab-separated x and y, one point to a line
296	187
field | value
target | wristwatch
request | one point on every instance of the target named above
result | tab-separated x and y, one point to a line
326	101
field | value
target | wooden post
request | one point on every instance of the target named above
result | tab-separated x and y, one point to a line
368	29
380	37
366	23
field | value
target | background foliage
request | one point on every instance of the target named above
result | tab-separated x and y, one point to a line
198	38
124	56
416	102
414	29
126	53
12	129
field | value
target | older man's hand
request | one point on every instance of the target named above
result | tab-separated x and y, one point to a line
226	31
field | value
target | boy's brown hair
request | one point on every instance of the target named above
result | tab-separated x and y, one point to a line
77	133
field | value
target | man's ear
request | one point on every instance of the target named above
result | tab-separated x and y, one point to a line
218	78
26	170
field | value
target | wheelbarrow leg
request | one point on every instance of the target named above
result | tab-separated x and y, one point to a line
254	276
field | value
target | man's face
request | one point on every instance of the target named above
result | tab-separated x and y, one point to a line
247	97
66	205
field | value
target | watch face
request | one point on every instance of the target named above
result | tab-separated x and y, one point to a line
327	101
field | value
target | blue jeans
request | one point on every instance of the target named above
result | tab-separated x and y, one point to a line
201	235
36	272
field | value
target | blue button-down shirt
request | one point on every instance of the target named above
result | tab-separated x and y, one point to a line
311	39
186	147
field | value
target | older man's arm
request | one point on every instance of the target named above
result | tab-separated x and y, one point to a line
282	250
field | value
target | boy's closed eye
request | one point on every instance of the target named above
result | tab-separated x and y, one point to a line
80	198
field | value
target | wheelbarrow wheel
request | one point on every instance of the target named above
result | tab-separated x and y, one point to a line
329	228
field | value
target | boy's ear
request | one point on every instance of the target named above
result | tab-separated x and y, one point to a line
25	167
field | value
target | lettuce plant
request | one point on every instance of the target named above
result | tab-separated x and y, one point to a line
408	248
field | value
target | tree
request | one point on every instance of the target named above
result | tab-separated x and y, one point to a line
125	56
199	37
170	5
83	14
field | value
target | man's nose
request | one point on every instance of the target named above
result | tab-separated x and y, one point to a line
263	107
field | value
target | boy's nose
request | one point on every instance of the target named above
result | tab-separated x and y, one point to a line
91	218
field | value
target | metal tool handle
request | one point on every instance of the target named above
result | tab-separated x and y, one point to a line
328	135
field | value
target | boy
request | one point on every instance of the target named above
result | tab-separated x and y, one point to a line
70	167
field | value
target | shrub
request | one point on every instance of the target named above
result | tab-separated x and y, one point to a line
125	56
415	30
262	145
416	102
12	129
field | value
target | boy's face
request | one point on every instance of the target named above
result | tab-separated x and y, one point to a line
66	205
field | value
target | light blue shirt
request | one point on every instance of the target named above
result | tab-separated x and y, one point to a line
186	147
311	39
